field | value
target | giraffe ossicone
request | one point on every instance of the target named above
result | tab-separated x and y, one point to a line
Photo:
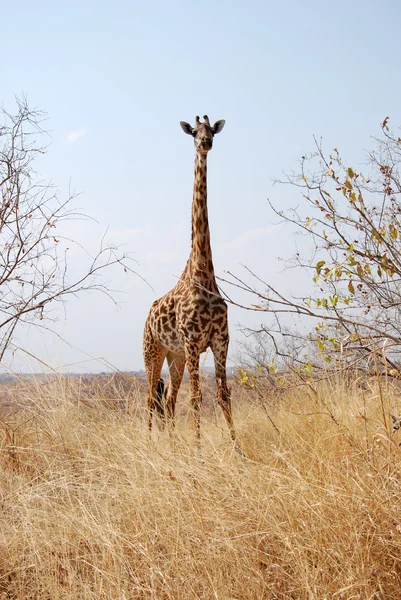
191	317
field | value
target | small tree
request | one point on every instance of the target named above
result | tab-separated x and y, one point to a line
354	224
33	270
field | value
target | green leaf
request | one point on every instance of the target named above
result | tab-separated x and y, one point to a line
319	266
338	271
334	343
351	260
393	232
351	288
350	172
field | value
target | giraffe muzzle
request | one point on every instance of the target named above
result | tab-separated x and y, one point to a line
206	143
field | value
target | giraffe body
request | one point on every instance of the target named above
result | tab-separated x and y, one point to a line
192	316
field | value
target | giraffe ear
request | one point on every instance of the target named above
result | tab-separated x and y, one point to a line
218	126
186	127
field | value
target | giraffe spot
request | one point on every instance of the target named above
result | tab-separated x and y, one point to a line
204	322
193	326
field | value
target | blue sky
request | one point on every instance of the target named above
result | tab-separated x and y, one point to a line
117	77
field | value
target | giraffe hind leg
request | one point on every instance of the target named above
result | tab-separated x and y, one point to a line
192	360
159	405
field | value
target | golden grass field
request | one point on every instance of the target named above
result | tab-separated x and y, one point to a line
91	509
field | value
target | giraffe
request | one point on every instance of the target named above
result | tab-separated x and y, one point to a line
193	315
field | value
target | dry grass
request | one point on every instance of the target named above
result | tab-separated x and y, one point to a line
90	509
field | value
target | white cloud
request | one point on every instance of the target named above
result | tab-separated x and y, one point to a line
152	243
250	234
131	235
76	135
160	257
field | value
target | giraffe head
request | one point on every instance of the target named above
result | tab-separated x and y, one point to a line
203	133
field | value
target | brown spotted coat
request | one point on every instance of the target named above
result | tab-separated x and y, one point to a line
192	316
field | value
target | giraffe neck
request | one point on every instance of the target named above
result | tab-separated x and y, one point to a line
201	261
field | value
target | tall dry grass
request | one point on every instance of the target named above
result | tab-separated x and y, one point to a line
91	509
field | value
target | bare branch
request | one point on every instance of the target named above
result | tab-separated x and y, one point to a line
34	273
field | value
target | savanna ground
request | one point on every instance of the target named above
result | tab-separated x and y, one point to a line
91	509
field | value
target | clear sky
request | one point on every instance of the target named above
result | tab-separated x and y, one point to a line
117	77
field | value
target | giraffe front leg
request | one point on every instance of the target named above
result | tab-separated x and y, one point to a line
192	360
154	355
220	352
176	365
